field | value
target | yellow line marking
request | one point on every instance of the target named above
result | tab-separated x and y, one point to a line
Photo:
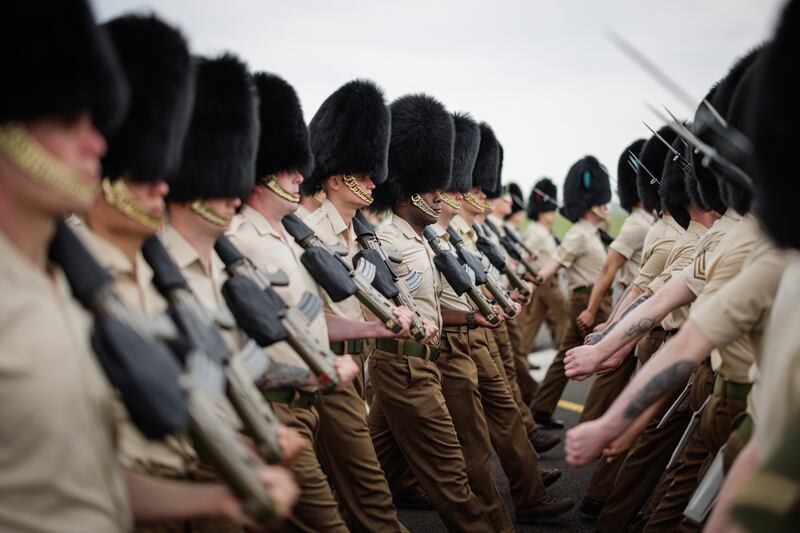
570	406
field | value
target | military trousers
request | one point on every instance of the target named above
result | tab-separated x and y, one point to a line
411	428
345	450
507	356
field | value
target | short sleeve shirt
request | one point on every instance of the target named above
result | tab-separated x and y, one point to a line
694	275
582	254
657	245
630	243
681	255
398	235
57	430
541	240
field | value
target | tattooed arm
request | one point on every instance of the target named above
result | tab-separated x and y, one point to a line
594	338
665	372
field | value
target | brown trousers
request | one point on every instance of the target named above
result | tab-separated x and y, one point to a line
508	433
547	305
344	449
317	509
720	417
551	389
460	389
411	428
508	357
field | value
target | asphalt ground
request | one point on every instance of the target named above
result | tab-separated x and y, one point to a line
572	484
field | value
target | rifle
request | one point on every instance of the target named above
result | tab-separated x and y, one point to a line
263	314
339	279
365	234
498	261
513	248
460	277
133	356
204	353
481	276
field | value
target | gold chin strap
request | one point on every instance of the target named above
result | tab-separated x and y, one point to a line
271	183
117	194
474	202
488	206
352	184
449	200
320	196
33	159
600	213
205	211
423	206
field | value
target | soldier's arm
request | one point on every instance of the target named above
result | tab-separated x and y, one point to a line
343	329
614	261
549	270
666	371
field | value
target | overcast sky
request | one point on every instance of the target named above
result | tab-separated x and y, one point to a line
541	73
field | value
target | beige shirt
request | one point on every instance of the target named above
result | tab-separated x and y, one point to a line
273	250
778	391
466	232
732	360
58	465
630	243
541	240
657	245
449	297
329	226
398	235
582	254
694	275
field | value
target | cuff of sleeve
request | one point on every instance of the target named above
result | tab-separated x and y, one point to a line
622	249
564	258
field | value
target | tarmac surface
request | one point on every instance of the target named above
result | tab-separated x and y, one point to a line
572	483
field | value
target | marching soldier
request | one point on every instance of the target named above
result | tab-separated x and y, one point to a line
349	140
410	424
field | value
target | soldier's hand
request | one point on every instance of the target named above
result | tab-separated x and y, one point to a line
581	362
430	331
280	485
593	338
291	443
599	328
347	370
404	316
624	441
481	320
520	298
585	442
505	316
585	321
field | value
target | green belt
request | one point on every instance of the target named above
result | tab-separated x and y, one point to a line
293	397
587	289
353	346
456	329
409	348
731	390
745	429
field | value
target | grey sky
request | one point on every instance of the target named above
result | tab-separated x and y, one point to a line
541	73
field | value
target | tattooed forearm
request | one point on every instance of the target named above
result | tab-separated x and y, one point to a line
636	303
281	375
661	384
639	328
594	338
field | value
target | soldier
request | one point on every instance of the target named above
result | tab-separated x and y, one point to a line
57	429
409	422
581	254
282	159
129	211
349	141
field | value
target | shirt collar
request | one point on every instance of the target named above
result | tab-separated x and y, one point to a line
337	222
401	224
179	248
259	222
106	252
638	211
669	221
732	214
460	225
696	228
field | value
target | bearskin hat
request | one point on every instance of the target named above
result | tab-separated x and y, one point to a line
61	62
497	188
652	157
283	142
674	197
155	57
517	198
219	155
538	202
420	150
776	111
465	152
586	185
350	135
487	165
626	176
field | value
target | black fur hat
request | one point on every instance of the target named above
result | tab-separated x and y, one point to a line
652	158
350	135
219	155
517	198
58	62
586	185
465	151
626	176
538	202
674	197
155	57
420	151
283	142
497	188
487	165
776	113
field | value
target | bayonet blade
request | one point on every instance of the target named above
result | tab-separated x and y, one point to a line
653	179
